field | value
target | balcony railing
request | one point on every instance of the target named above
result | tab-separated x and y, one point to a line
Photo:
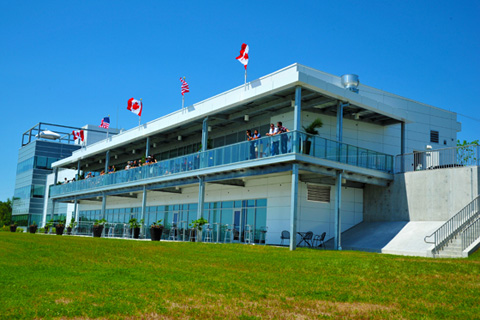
267	147
438	159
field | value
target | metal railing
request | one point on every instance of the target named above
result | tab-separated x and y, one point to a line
471	234
455	225
267	147
461	156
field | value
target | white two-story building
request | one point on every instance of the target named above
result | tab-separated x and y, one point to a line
293	181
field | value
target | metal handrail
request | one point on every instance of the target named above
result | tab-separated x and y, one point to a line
455	225
460	156
267	147
471	233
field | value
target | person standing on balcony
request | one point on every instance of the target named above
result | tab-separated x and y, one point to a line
251	145
284	139
256	136
273	131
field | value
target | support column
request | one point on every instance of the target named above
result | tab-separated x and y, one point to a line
104	206
294	207
144	208
205	134
55	180
55	171
338	220
74	213
201	202
340	107
78	169
402	147
297	118
107	161
53	209
201	197
147	148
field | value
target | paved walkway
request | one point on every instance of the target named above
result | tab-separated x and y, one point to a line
394	237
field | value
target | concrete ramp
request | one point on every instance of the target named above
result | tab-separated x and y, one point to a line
393	237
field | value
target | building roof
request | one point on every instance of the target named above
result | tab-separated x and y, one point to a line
273	94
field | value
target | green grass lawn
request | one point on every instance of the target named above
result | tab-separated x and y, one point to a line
47	276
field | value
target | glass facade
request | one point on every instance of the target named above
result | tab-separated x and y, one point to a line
34	164
242	215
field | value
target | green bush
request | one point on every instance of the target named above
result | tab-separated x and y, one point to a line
5	229
19	230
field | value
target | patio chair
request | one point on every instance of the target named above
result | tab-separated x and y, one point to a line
308	238
285	236
319	240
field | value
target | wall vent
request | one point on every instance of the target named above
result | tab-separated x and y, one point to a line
318	193
434	136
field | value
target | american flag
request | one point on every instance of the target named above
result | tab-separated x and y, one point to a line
185	87
105	123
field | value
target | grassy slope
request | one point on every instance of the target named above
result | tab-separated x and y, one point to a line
74	277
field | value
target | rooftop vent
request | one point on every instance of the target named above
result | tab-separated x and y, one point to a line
350	82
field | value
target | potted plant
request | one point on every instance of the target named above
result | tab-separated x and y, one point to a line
311	129
60	227
71	226
98	227
197	225
156	230
13	227
33	227
48	225
135	226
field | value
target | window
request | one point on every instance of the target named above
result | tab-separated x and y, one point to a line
318	193
434	136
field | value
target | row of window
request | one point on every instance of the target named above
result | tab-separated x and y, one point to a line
38	162
239	215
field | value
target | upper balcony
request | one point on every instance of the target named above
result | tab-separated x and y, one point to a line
241	159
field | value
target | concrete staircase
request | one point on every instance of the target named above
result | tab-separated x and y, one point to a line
452	249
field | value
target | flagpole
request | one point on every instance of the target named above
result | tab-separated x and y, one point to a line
183	101
108	126
245	75
140	117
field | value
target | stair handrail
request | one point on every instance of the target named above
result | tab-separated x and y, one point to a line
470	234
455	224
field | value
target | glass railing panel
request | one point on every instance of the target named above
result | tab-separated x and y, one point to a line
286	143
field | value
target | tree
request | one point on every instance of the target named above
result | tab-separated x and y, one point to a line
467	152
5	212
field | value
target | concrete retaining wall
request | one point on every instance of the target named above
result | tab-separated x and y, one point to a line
431	195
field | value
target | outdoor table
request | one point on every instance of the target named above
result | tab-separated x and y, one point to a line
303	235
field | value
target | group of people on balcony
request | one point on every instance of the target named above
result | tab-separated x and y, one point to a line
255	151
279	129
136	164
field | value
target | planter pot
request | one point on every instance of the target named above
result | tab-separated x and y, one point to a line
156	233
307	145
33	229
69	231
136	233
13	228
59	230
97	231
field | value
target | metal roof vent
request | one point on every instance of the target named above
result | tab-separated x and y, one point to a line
350	82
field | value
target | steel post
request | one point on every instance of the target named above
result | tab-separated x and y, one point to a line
294	207
338	201
144	208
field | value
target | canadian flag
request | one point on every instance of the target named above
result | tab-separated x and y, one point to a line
135	106
78	135
243	57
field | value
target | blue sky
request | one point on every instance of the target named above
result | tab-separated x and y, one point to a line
74	62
